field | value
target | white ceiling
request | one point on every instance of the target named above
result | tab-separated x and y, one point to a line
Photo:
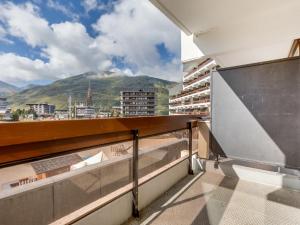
237	31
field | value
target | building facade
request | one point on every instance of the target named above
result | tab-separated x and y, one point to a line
194	95
5	111
138	102
83	111
62	114
42	109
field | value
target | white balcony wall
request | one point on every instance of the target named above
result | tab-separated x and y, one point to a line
189	50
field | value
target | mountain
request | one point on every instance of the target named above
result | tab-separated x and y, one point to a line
7	89
29	86
105	87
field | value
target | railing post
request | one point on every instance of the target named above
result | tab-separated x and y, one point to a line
135	174
190	127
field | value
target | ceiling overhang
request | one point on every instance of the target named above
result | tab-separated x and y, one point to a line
236	31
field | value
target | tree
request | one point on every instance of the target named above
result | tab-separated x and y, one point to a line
15	116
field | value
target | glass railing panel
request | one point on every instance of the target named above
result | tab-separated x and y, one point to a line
63	184
160	150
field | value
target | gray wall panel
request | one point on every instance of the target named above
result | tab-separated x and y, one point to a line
256	112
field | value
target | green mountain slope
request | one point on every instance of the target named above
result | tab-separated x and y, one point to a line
106	89
7	89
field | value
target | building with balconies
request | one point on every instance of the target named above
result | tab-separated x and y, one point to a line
194	97
138	102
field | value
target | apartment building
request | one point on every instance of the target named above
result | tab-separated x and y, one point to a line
138	102
42	109
194	96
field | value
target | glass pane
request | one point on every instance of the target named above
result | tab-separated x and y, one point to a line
158	151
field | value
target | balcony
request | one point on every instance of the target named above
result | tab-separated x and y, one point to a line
242	167
77	168
197	81
202	90
202	68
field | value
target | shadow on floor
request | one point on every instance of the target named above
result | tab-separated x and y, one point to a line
212	217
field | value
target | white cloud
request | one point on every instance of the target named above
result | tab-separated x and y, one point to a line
24	22
3	38
131	30
16	69
62	8
68	48
89	4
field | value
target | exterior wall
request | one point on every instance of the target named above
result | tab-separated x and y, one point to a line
256	112
204	140
189	50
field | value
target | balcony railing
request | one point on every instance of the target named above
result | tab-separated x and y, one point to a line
200	77
28	142
191	92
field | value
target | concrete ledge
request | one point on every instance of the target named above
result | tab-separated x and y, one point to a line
255	172
267	177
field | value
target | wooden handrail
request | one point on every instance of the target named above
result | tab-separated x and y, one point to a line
294	48
27	141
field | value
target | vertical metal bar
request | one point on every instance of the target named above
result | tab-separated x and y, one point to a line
190	147
135	174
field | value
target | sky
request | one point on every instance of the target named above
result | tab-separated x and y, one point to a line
45	40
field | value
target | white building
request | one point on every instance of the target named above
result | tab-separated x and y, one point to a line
194	97
62	114
82	111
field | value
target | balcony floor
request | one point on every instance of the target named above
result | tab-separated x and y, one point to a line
212	199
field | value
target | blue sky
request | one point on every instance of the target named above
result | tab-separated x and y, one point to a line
45	40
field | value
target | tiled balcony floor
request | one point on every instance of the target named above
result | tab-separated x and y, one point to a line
211	198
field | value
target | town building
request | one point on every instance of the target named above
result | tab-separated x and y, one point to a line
82	111
62	114
42	109
138	102
5	110
86	110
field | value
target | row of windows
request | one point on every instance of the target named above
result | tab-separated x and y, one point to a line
138	108
139	113
138	94
138	98
138	103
